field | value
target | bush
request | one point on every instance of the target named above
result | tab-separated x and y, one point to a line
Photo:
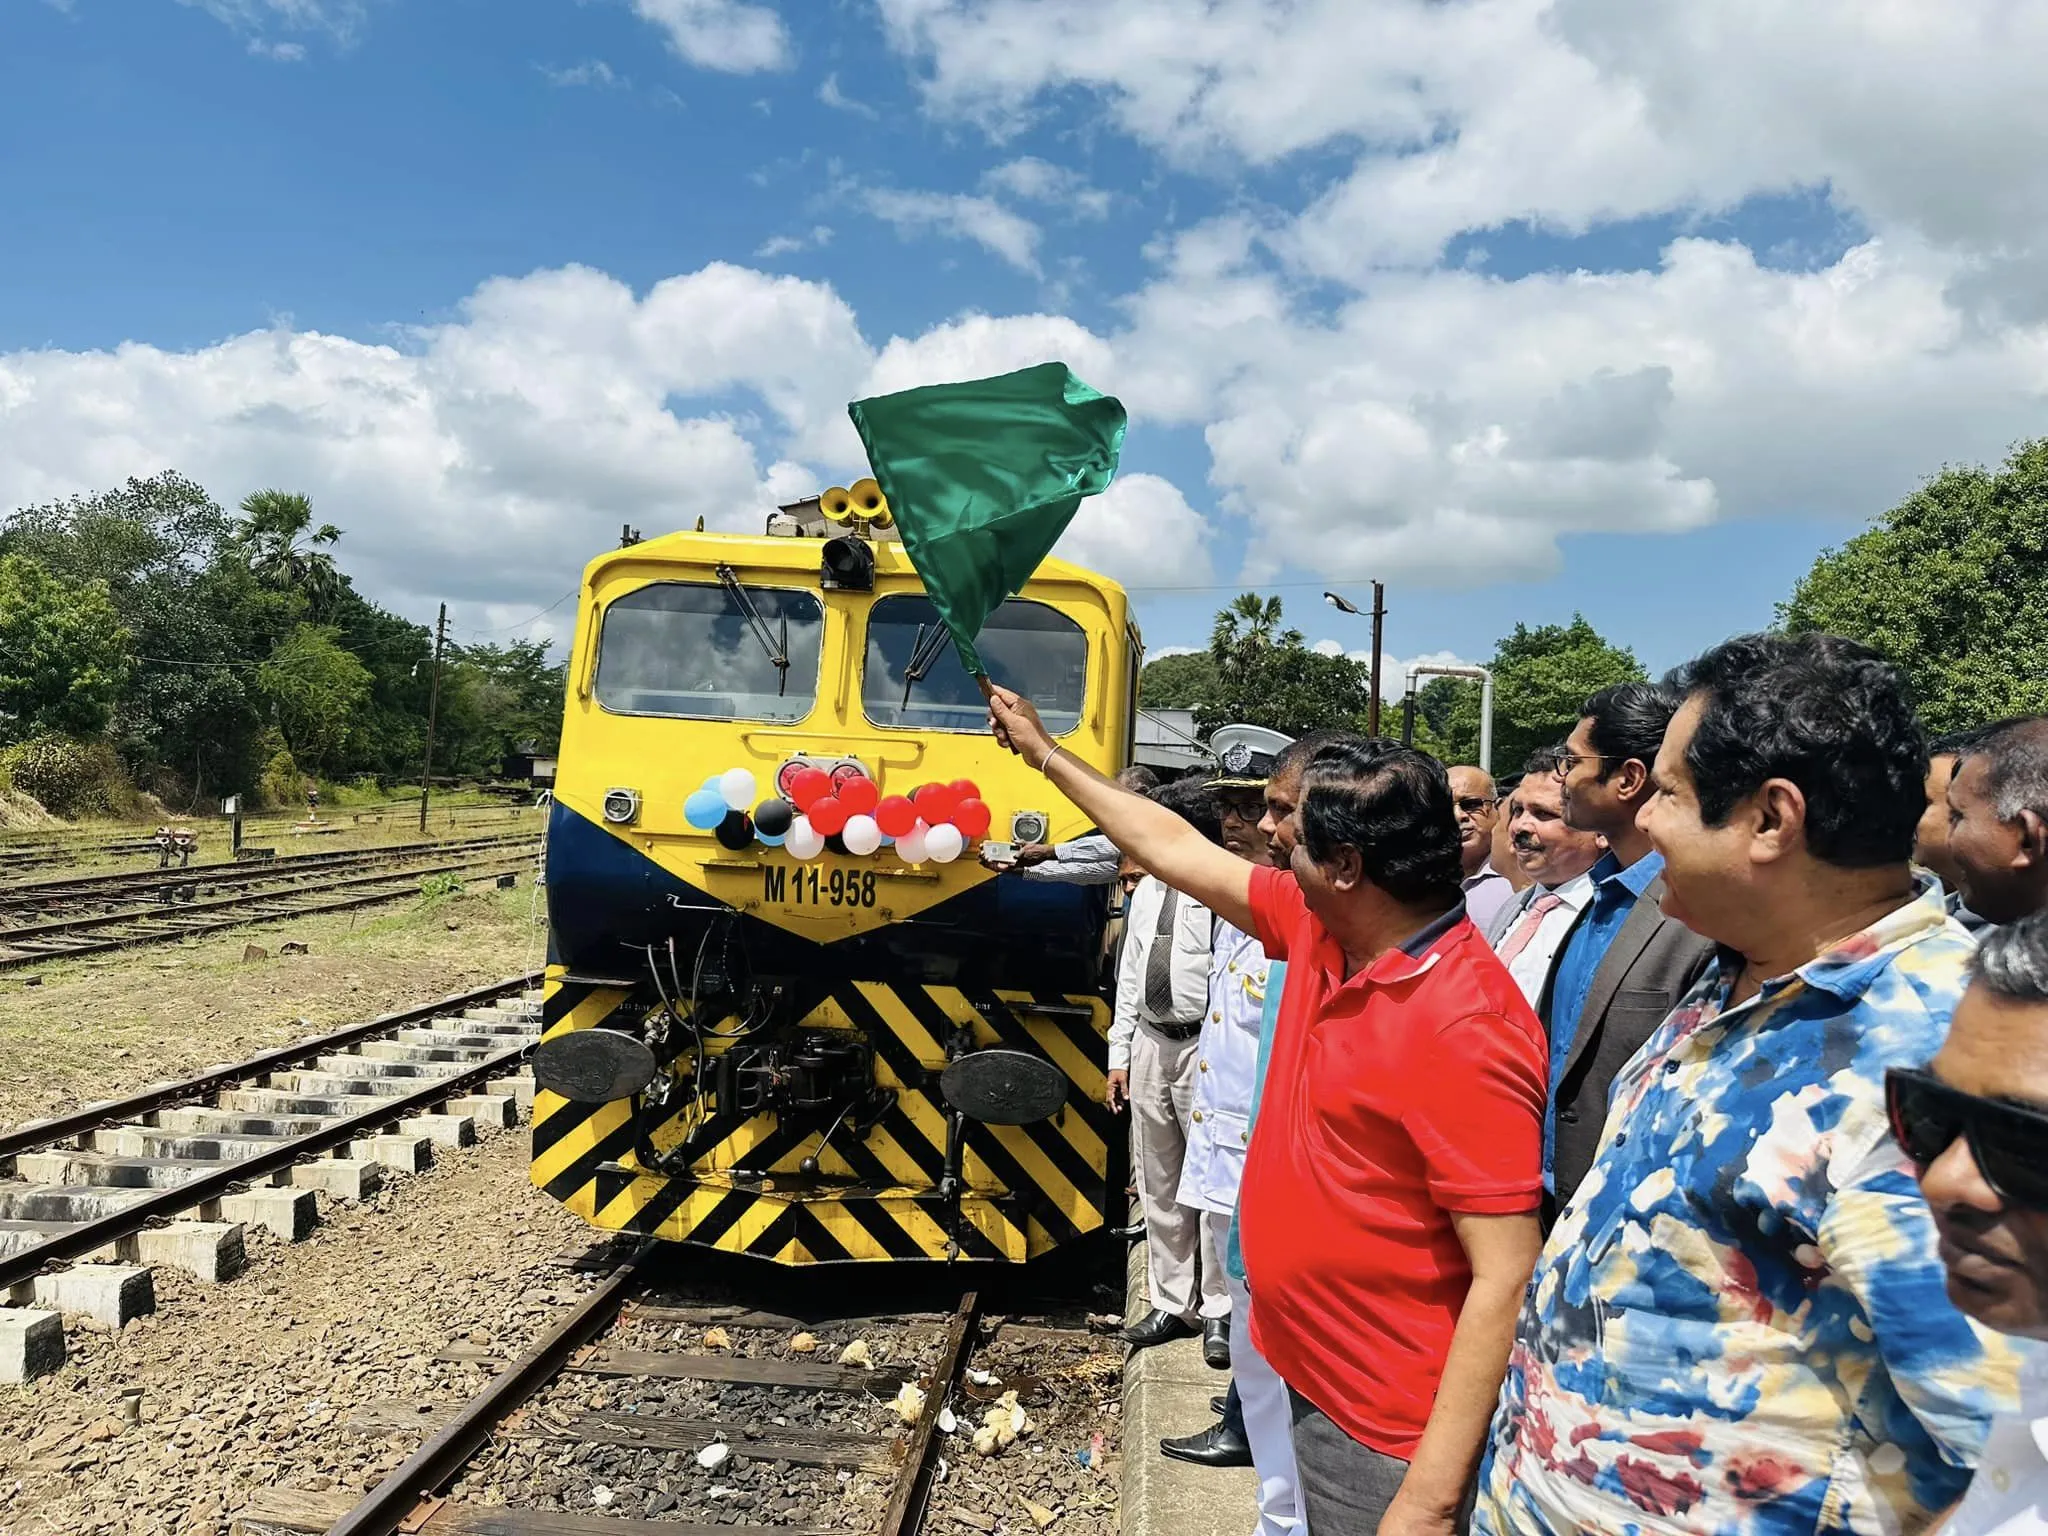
70	778
281	785
434	887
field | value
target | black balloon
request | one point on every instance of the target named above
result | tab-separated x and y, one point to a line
736	831
773	816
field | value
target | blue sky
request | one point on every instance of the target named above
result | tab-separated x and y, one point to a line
1526	327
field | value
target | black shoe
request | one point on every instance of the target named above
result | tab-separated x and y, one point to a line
1157	1327
1134	1231
1215	1446
1216	1343
1220	1404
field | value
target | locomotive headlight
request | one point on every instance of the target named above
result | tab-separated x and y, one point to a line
622	806
1029	826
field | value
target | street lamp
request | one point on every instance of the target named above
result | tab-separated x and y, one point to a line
1379	618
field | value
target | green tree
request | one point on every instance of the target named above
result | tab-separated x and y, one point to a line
318	692
1186	681
285	550
498	699
1952	585
63	653
1262	674
1542	677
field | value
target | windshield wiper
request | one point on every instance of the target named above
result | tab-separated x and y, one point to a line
743	600
925	651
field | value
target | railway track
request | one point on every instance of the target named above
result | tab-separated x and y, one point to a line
635	1413
251	1142
48	923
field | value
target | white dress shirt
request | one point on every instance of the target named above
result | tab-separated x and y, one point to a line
1090	860
2009	1494
1531	968
1188	966
1219	1129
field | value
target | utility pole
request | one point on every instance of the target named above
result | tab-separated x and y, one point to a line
433	709
1379	622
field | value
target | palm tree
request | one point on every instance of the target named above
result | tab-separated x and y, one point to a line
285	550
1247	630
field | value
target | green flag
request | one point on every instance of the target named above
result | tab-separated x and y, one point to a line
984	477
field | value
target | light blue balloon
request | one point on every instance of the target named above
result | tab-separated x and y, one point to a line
775	841
888	841
713	782
705	809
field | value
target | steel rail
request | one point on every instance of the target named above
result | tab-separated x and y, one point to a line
400	883
322	880
91	1236
388	1506
40	1134
230	872
906	1500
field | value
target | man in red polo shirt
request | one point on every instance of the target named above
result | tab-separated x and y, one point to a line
1390	1197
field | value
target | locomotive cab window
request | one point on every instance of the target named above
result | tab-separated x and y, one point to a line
914	677
711	652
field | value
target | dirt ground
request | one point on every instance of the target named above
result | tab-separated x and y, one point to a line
295	1374
98	1028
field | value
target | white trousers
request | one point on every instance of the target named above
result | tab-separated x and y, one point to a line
1268	1424
1162	1097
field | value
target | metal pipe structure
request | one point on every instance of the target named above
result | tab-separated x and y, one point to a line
1485	679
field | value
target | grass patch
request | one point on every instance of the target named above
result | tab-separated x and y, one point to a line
101	1027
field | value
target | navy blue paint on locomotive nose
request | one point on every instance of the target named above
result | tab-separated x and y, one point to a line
607	902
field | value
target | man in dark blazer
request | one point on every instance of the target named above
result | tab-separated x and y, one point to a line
1625	964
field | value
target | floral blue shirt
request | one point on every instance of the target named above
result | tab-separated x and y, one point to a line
1739	1324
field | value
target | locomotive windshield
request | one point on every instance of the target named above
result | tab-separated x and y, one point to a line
914	676
695	652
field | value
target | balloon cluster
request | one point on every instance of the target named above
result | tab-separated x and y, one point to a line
933	822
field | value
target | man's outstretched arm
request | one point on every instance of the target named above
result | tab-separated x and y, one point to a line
1160	841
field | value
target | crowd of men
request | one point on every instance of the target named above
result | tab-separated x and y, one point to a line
1660	1147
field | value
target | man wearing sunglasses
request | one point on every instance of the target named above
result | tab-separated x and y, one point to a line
1974	1123
1738	1325
1477	804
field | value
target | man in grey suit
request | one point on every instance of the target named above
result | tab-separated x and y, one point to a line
1625	963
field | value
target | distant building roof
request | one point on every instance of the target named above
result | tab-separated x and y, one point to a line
1167	740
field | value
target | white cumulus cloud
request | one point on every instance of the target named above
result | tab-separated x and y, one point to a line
959	216
733	36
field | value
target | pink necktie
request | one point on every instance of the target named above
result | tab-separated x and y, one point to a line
1525	930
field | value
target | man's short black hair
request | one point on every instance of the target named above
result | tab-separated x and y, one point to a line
1195	803
1825	713
1295	755
1959	743
1543	760
2015	754
1138	779
1391	803
1628	720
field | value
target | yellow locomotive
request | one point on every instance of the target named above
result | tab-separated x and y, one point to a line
788	1012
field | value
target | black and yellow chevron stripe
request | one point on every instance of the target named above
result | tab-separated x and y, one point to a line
1029	1189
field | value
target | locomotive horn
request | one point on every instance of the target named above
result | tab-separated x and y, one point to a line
869	501
838	504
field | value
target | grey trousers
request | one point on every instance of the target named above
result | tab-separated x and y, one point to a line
1345	1486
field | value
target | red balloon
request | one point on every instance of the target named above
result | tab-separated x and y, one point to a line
972	818
809	787
895	816
934	803
828	815
964	789
858	794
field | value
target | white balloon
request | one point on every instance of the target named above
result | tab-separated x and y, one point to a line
910	846
804	841
943	844
861	835
738	787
